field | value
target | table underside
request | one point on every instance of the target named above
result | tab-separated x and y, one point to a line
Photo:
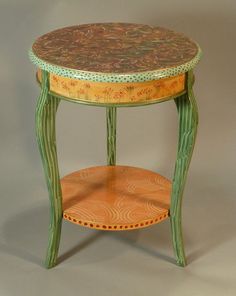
115	197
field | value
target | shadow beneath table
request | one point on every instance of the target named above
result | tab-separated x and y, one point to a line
153	240
80	246
25	235
210	221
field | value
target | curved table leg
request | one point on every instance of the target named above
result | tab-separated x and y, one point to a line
45	131
188	121
111	135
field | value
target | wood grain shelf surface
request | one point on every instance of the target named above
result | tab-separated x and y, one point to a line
115	197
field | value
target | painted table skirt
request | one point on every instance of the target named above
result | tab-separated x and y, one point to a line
114	65
117	93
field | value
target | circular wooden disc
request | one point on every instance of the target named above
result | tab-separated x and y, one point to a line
115	48
115	197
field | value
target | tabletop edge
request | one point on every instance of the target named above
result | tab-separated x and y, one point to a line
115	77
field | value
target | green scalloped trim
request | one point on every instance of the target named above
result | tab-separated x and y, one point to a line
112	77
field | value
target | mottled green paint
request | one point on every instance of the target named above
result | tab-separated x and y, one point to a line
45	131
188	121
111	135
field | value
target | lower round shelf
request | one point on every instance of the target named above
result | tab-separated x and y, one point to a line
115	197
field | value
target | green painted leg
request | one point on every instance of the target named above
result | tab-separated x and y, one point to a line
188	121
45	131
111	135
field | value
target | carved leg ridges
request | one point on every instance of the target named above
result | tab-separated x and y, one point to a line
111	135
45	131
188	121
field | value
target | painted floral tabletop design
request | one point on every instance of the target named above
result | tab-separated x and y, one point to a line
115	48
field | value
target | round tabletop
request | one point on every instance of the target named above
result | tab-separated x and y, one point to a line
115	52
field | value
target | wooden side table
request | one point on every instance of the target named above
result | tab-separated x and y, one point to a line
115	65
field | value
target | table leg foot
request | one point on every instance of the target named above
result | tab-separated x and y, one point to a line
177	240
53	244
